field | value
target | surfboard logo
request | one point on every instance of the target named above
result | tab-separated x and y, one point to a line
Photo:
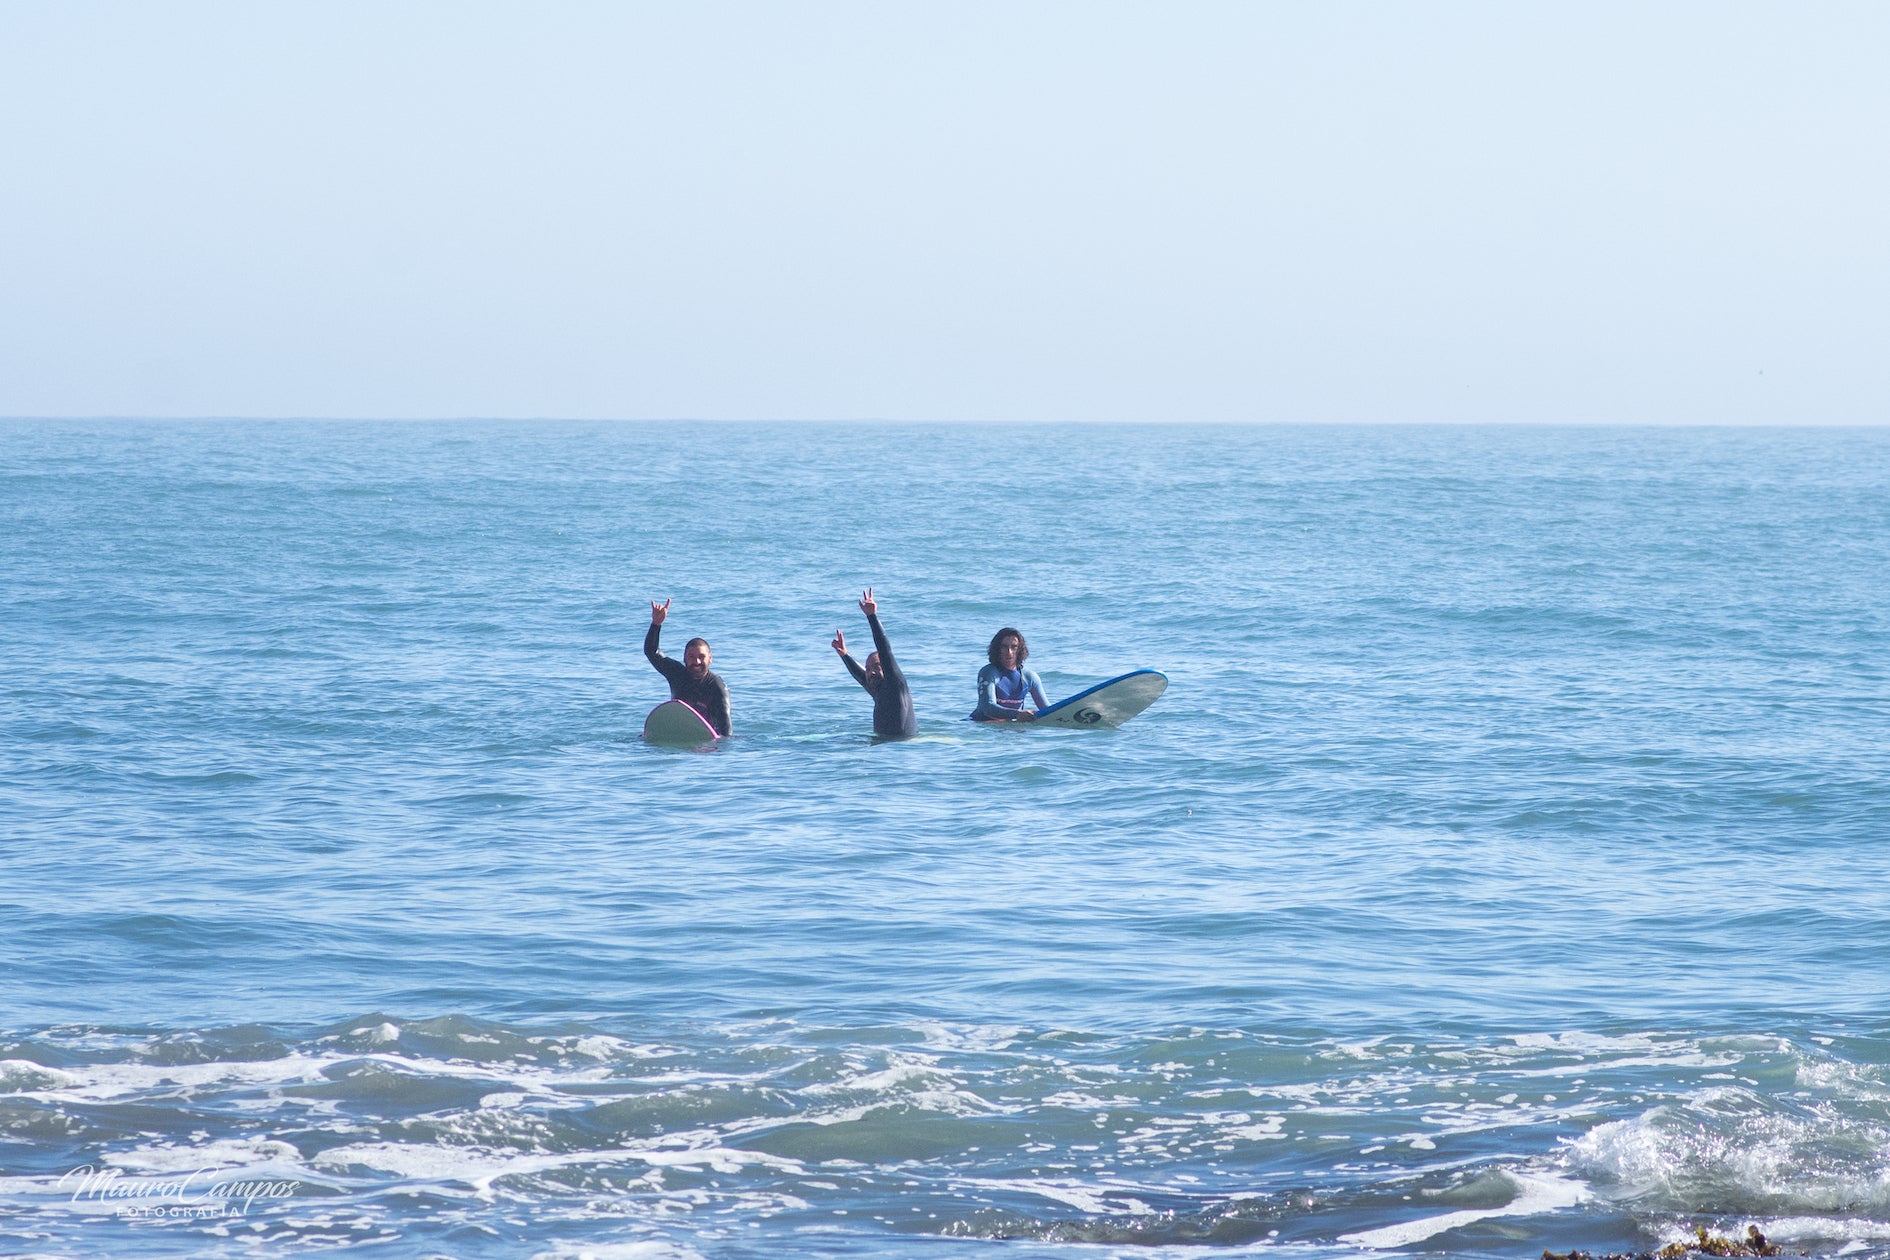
1088	717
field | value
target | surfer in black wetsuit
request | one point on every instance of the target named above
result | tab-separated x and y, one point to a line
882	678
690	680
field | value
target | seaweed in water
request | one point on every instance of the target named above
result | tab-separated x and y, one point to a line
1707	1244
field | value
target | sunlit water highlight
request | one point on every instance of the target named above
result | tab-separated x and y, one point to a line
1504	869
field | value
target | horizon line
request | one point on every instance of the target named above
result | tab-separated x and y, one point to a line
890	421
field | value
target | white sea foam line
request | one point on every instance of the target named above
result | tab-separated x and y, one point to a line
22	1076
653	1249
246	1153
936	1104
974	1038
601	1046
475	1166
538	1100
1537	1193
949	1102
1843	1079
1587	1041
1817	1229
1066	1193
680	1077
479	1167
1077	1101
93	1040
1590	1067
107	1082
885	1078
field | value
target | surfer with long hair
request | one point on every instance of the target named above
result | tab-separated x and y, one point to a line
1004	684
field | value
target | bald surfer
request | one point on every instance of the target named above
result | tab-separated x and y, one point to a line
689	680
882	678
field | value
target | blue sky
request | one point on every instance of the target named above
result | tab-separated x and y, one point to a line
1672	213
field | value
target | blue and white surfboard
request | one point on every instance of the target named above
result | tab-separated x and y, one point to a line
1108	704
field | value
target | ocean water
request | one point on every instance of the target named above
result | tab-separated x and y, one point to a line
1506	868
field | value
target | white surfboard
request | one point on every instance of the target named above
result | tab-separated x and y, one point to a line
1108	704
673	722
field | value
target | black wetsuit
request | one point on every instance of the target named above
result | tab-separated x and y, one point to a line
708	697
892	702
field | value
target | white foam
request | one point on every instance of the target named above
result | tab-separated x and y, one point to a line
873	1082
1267	1129
1669	1157
1846	1080
1593	1043
1072	1194
228	1153
910	1080
1858	1231
107	1082
1535	1194
104	1082
970	1038
653	1249
1076	1100
603	1047
21	1076
479	1166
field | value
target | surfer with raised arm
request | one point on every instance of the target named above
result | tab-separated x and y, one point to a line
882	678
1004	684
689	680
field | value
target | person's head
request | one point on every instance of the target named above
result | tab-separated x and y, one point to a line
874	670
1008	649
696	657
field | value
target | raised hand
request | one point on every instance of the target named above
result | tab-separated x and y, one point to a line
840	642
658	612
868	605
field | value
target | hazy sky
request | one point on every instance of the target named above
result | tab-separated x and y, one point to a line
1034	211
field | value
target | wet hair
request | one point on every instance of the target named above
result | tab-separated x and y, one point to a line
693	642
1023	648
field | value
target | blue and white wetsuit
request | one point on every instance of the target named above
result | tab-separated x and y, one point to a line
1001	693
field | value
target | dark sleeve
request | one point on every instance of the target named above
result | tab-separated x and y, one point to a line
718	710
853	667
880	644
668	668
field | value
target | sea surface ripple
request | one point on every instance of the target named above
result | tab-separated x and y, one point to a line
1504	869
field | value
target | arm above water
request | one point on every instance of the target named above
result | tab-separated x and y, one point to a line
652	649
853	667
887	664
1036	688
